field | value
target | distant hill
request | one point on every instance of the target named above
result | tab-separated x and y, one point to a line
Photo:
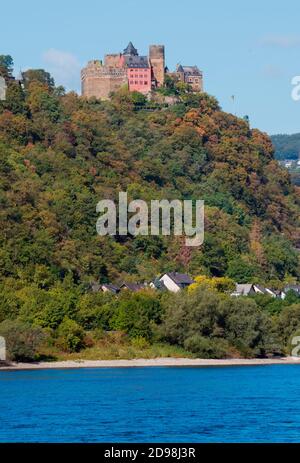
286	146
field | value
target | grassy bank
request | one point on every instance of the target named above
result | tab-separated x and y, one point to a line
116	350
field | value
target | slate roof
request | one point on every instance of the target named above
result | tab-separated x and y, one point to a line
261	289
112	288
130	50
243	289
179	68
132	286
133	61
191	70
179	278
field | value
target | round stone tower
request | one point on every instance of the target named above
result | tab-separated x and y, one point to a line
157	61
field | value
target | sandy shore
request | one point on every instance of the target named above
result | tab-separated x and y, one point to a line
158	362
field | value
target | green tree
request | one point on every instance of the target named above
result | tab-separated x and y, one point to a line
37	75
6	66
134	313
70	336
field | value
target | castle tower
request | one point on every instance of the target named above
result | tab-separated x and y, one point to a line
157	60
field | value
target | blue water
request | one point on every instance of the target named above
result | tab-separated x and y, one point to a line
228	404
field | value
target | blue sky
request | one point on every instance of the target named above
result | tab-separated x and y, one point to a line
247	49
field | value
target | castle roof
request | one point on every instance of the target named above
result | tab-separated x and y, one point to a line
130	50
179	68
133	61
191	70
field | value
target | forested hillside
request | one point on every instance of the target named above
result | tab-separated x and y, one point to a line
61	154
286	146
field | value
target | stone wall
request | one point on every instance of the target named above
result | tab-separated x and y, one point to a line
157	60
99	81
114	60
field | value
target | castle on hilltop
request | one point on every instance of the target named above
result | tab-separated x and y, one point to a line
138	73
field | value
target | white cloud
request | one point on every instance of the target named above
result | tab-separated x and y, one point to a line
281	41
64	67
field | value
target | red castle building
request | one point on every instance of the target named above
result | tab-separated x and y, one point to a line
138	73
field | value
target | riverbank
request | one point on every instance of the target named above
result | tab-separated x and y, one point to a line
158	362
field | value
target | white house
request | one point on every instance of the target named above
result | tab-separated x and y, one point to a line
251	289
174	281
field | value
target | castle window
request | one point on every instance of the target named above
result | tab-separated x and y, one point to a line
136	82
145	83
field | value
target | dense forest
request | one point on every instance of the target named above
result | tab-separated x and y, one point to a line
60	154
286	146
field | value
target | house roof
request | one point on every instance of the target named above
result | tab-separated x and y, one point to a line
111	287
179	68
243	288
132	286
192	70
130	50
179	278
261	289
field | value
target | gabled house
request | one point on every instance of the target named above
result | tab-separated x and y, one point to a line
250	289
174	281
243	290
106	287
262	290
132	286
109	288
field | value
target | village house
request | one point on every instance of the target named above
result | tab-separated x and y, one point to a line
126	286
250	289
175	282
109	288
172	281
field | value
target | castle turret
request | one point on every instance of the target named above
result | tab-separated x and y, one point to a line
157	60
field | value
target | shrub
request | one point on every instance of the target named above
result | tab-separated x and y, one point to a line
198	319
288	323
206	347
70	336
22	340
140	343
